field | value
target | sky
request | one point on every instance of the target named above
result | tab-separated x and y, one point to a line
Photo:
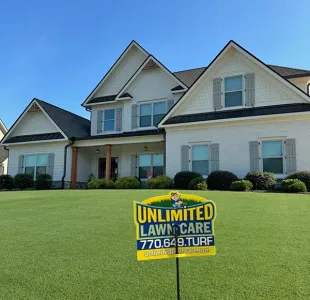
59	50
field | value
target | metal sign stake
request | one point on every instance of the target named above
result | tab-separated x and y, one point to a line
176	235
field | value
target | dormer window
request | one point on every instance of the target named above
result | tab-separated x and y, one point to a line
233	91
152	113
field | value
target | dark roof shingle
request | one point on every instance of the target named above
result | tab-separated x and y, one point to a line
35	137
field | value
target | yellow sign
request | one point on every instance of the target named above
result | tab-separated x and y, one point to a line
165	223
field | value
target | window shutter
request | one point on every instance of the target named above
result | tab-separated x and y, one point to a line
50	164
21	164
134	165
185	158
99	120
118	117
134	116
249	89
254	156
217	93
290	150
214	157
170	103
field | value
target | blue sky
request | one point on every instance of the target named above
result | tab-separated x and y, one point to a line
58	51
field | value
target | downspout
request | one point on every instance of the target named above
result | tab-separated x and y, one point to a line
65	162
7	149
165	153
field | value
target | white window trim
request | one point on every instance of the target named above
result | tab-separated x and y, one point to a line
208	144
152	165
242	90
152	115
35	167
103	120
278	175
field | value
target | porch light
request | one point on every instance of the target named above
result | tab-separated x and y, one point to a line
97	151
146	148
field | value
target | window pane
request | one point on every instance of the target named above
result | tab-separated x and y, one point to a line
42	159
29	170
109	114
158	159
157	171
143	171
200	152
41	170
201	167
233	99
145	160
109	125
233	83
272	148
157	118
274	165
145	109
160	108
30	160
145	121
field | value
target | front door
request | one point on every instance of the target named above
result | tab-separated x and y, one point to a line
114	167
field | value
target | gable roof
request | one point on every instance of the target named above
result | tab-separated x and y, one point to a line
3	128
249	55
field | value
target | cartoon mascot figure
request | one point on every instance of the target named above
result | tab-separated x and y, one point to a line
176	200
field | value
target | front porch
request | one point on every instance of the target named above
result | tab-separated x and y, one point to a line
142	157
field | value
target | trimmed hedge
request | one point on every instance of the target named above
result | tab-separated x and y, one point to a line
95	183
193	183
128	182
201	186
182	179
23	181
261	180
303	176
241	185
221	180
293	186
160	182
44	182
6	182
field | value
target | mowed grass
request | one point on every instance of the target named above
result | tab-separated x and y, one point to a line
81	245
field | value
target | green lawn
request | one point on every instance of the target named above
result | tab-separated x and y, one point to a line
81	245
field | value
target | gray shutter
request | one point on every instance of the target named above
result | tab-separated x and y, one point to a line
118	117
134	165
217	93
249	89
254	156
185	158
134	116
21	164
290	150
170	103
50	164
214	157
99	120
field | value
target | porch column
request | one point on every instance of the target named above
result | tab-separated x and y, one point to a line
108	152
74	167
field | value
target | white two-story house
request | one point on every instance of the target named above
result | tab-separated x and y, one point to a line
236	114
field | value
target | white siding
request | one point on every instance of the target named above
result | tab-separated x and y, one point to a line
233	139
268	90
51	147
301	82
122	73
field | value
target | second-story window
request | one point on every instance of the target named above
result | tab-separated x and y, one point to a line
152	113
233	91
109	120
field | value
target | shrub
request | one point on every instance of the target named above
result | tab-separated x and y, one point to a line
241	185
303	176
201	186
194	182
182	179
221	180
261	180
6	182
44	182
127	183
23	181
160	182
95	183
293	186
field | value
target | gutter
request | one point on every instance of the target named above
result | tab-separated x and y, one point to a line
72	140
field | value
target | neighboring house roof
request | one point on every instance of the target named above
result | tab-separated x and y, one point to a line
189	76
239	113
3	128
35	137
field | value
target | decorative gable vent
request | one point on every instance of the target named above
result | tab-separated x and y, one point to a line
150	65
34	107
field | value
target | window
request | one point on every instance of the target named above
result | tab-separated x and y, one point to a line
36	164
109	120
151	163
273	156
200	159
233	91
152	113
308	89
